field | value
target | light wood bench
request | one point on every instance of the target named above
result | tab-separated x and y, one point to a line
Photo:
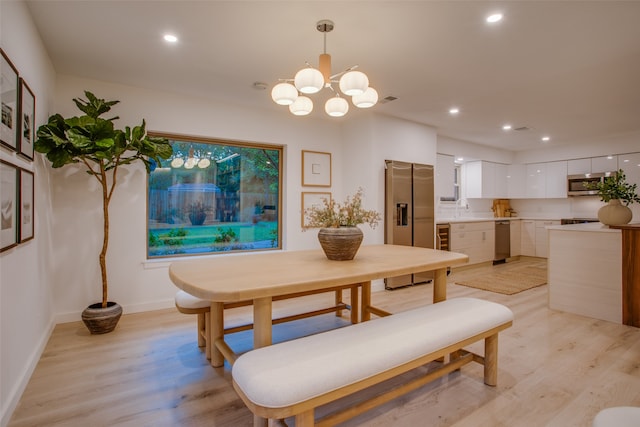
295	377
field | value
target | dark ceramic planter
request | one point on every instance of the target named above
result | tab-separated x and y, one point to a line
101	320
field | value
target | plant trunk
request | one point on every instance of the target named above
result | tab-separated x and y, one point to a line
105	238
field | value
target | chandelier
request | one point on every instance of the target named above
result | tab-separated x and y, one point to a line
310	80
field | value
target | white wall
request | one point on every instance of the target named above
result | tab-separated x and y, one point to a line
26	312
135	283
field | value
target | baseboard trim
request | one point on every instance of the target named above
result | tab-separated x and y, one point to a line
16	392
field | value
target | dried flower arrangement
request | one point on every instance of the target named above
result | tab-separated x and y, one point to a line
347	214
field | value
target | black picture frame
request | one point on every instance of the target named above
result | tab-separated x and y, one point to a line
27	209
8	205
26	126
9	87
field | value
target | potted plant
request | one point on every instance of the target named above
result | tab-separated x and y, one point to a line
95	143
618	194
197	212
339	234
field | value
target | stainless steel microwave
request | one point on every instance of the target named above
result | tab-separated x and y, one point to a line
577	184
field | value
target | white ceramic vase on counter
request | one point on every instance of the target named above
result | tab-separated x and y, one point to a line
614	213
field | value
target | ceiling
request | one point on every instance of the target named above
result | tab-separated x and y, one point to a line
566	69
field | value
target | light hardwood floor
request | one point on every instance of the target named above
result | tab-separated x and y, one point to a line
555	369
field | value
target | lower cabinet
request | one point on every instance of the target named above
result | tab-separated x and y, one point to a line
542	248
515	237
534	237
528	238
474	239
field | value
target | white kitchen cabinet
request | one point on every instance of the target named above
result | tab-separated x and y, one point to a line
528	238
630	164
604	164
516	181
445	172
541	237
592	165
486	180
556	180
578	166
515	237
536	180
501	187
474	239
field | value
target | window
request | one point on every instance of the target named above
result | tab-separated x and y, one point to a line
214	196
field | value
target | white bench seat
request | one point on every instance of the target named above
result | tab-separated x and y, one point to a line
294	377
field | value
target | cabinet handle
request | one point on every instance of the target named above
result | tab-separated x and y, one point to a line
484	235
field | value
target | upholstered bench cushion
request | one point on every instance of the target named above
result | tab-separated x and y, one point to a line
284	374
620	416
188	301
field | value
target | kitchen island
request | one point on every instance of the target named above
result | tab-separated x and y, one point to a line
585	270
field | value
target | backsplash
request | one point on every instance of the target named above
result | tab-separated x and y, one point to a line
571	207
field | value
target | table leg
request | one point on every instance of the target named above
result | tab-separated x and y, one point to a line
216	319
262	322
355	312
440	285
366	301
338	301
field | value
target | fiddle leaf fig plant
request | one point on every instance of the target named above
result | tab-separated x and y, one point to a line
101	148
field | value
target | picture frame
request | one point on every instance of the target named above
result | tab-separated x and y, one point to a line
8	205
26	126
316	169
26	214
311	199
9	87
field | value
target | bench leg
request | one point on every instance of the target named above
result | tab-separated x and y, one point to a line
305	419
201	327
491	360
207	335
260	422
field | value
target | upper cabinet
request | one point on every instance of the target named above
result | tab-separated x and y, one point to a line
445	174
546	180
592	165
604	164
516	181
630	164
485	180
556	180
578	166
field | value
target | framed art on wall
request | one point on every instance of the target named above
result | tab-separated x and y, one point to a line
8	205
8	102
26	127
312	199
25	226
316	169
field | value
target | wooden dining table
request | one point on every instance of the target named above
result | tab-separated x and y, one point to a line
263	277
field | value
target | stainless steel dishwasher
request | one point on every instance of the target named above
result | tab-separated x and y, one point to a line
503	245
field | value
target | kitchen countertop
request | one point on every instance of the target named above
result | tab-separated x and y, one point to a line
509	218
593	227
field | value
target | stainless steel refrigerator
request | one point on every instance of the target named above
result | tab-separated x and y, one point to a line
409	212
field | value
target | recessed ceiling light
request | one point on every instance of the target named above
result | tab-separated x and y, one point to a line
493	18
506	127
170	38
454	110
546	138
460	159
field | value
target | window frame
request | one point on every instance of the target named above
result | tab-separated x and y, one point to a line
187	139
